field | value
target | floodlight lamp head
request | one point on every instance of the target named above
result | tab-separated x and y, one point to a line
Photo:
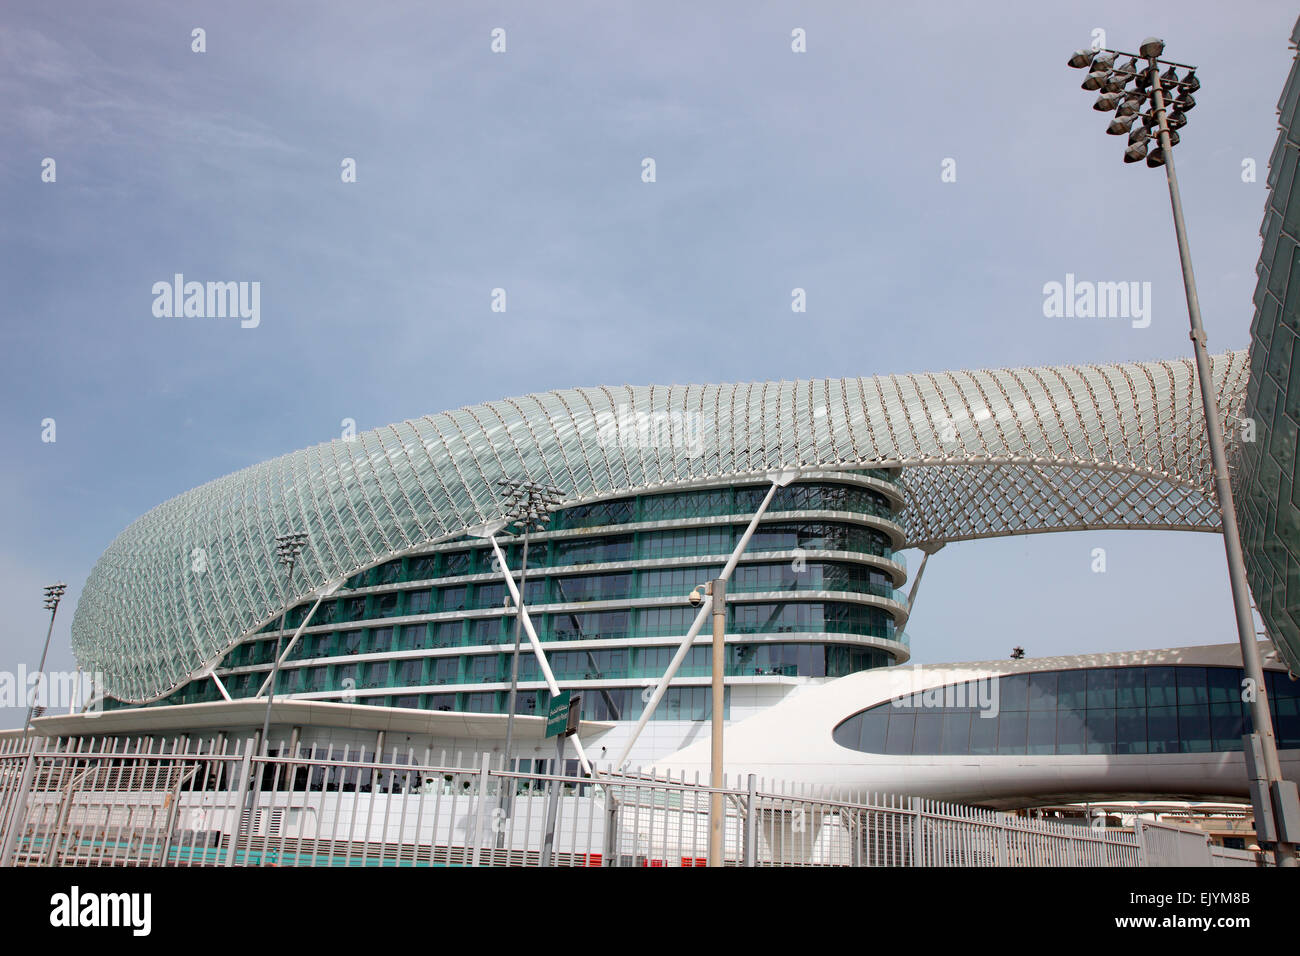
1152	47
1080	58
1135	153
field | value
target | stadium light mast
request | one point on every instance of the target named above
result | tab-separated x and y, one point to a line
1135	91
53	595
528	505
287	548
17	810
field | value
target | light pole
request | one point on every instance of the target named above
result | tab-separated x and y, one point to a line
287	549
53	595
717	589
528	505
1136	91
18	810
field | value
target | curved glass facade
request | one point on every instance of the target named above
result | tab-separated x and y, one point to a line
1104	710
816	596
986	453
1266	491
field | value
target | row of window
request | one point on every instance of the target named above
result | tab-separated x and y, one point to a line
790	660
618	585
620	703
1125	710
832	617
560	552
711	502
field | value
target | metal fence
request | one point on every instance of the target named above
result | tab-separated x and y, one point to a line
220	802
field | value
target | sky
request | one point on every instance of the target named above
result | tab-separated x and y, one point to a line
522	170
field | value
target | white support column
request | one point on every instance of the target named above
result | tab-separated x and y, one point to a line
916	581
220	686
284	654
536	643
779	480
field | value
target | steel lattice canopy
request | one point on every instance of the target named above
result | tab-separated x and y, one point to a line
985	453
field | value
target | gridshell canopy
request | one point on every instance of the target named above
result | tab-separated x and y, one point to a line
983	454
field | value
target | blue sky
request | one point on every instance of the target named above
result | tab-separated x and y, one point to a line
522	170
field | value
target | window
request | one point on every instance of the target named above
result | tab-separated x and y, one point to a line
419	602
686	541
381	639
446	633
446	670
484	668
377	674
591	550
590	626
664	621
490	595
415	637
598	513
453	599
410	673
455	562
480	704
421	568
595	587
484	630
678	582
1106	710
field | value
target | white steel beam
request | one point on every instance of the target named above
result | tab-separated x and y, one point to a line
779	480
536	643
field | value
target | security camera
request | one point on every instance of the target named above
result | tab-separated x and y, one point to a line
696	597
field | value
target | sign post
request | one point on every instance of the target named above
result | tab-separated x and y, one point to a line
562	718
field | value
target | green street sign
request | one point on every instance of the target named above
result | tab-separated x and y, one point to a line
557	714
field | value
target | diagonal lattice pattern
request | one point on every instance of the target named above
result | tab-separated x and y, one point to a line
985	453
1265	488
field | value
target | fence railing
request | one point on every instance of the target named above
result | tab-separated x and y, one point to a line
220	802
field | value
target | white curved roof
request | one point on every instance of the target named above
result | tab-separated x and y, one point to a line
986	453
793	740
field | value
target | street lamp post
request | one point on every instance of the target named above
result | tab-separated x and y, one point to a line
287	549
1134	92
528	505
